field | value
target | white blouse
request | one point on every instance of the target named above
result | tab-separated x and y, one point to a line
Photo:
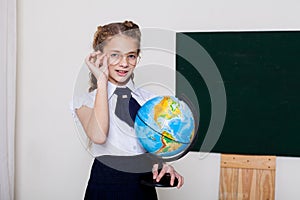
121	139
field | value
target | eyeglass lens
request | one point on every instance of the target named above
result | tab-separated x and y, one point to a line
115	58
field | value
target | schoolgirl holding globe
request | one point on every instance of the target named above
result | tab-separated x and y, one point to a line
120	160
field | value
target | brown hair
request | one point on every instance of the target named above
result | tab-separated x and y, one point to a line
106	32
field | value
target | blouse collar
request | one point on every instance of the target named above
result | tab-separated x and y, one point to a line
112	87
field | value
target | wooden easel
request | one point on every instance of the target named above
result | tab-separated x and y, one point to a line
245	177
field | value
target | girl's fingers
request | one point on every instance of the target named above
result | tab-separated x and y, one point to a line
155	171
180	180
99	59
97	64
167	169
90	59
162	172
172	173
104	63
94	57
172	178
87	59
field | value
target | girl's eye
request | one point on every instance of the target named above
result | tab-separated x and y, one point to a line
132	56
114	55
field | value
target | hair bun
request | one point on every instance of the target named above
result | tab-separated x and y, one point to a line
128	24
99	28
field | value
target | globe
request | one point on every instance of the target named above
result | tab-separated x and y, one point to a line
165	126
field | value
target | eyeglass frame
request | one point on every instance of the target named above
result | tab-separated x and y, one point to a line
137	59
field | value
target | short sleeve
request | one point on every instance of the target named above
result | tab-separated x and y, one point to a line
78	101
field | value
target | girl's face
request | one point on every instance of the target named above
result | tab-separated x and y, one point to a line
122	54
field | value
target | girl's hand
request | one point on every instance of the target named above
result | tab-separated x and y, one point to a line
167	169
97	64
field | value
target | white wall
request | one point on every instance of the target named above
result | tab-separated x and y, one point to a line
53	38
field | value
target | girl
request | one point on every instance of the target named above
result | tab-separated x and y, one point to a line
120	161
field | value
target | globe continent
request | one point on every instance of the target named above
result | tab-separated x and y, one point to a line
165	126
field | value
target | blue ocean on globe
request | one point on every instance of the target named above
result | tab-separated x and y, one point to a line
165	126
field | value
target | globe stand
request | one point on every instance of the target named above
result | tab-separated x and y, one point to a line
164	181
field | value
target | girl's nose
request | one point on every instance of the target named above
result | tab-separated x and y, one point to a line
124	62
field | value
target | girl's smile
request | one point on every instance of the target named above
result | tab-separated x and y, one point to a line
122	73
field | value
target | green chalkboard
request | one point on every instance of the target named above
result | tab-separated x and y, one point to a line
260	73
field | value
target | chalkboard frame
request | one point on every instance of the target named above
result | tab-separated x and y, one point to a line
259	69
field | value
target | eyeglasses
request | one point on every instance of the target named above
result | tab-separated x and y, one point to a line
115	58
